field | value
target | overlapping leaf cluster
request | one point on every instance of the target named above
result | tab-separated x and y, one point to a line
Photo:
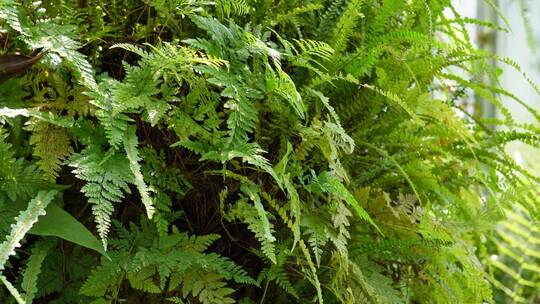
251	151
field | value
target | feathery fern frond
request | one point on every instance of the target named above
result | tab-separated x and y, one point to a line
23	222
107	175
335	188
517	257
256	219
130	145
51	145
33	269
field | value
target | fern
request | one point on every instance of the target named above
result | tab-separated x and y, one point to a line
107	175
283	85
277	273
52	146
238	7
20	180
32	271
395	98
12	290
345	26
50	36
208	288
130	144
256	219
178	258
23	223
334	150
516	258
335	187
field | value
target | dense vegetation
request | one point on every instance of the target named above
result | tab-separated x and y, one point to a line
257	151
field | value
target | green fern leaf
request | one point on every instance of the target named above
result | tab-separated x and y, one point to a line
33	269
23	223
130	145
335	187
51	145
107	175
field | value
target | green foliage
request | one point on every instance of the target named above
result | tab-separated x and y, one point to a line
107	175
23	223
172	263
250	151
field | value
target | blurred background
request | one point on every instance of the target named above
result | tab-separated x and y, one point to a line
520	41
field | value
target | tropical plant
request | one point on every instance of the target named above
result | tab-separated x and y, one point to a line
191	151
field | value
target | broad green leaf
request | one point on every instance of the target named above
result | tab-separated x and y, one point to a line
59	223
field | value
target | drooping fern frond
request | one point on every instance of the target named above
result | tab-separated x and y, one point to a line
23	222
395	98
50	36
32	271
130	145
517	257
277	273
12	290
280	83
335	188
107	175
115	124
311	272
346	25
256	219
242	119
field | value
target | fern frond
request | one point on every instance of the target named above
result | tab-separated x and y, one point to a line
226	268
207	287
50	36
12	290
102	278
115	125
9	11
333	11
312	273
237	7
335	187
51	145
107	175
130	145
23	223
32	271
277	274
257	220
280	83
395	98
242	119
346	25
518	256
143	280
